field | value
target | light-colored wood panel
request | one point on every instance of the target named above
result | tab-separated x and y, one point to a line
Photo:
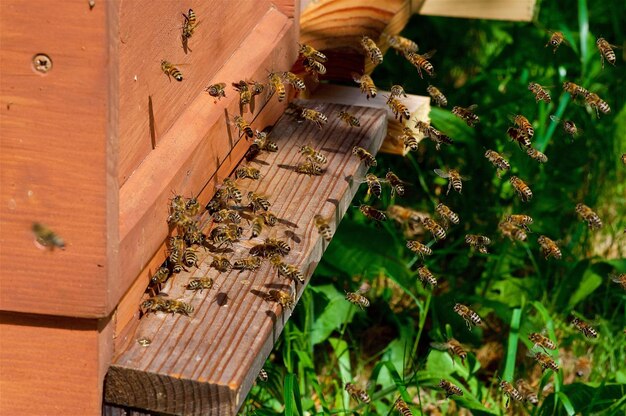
522	10
54	156
180	372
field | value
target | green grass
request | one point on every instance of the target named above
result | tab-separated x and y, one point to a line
385	349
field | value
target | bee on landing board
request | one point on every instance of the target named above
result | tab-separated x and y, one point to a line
453	347
366	84
314	116
171	71
589	216
466	114
421	62
349	119
285	299
258	202
313	155
217	91
549	247
372	50
606	51
189	25
245	94
309	168
249	172
437	96
160	276
221	263
247	263
455	180
470	317
541	94
450	388
46	238
200	284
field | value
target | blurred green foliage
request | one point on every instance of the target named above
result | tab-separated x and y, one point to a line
386	348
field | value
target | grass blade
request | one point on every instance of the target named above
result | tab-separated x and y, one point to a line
511	351
288	395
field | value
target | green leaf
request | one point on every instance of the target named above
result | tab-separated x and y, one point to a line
589	283
566	403
336	313
292	396
511	351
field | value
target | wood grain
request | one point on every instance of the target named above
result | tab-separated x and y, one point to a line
520	10
180	372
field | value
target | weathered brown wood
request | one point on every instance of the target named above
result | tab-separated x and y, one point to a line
188	367
522	10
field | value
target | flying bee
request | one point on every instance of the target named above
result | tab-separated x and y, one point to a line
276	85
294	80
221	263
549	247
466	114
606	51
399	110
594	101
180	307
160	276
453	347
397	185
470	317
521	188
323	227
541	94
511	392
309	168
544	360
524	125
587	214
366	83
450	388
446	213
455	179
397	91
45	237
527	392
364	155
401	44
372	50
583	367
433	134
156	303
574	90
312	53
314	116
402	407
568	126
620	279
438	232
419	248
248	263
349	119
586	329
190	258
243	126
245	94
512	231
409	141
171	71
283	298
372	213
402	214
479	242
426	276
257	226
256	88
258	202
263	375
536	155
437	96
191	22
200	284
518	136
497	160
217	90
247	172
359	395
373	185
313	155
520	220
555	41
357	299
313	67
421	62
542	341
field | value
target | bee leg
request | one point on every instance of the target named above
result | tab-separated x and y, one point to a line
508	399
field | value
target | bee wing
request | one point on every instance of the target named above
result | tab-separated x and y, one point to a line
441	346
555	118
441	173
429	54
472	107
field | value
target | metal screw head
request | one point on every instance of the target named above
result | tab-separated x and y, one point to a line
42	63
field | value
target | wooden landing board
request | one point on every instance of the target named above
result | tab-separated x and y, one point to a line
522	10
206	364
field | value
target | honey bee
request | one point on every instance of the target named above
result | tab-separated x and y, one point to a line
512	231
446	213
180	307
437	96
248	263
309	168
288	270
518	136
595	102
549	247
349	119
294	80
276	85
243	172
536	155
264	143
409	141
586	329
284	299
555	40
541	94
155	304
450	388
426	276
418	248
620	279
373	185
323	227
402	407
263	375
455	179
372	213
314	116
358	299
544	360
397	91
243	126
257	226
466	114
200	284
47	238
574	90
217	91
231	191
583	367
245	94
312	53
257	88
313	67
453	347
171	71
190	258
421	62
541	341
399	110
269	218
403	215
364	155
359	395
520	220
521	188
568	125
470	317
438	232
527	392
372	50
160	276
511	392
226	214
524	125
258	202
401	44
397	186
177	249
587	214
270	248
313	155
227	235
501	164
366	83
433	134
606	51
